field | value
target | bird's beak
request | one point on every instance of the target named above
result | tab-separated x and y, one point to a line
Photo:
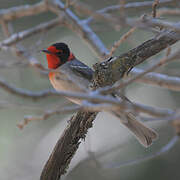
46	51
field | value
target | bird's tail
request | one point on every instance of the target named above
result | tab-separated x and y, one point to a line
143	134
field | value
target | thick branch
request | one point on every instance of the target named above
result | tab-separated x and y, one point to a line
111	70
161	62
67	145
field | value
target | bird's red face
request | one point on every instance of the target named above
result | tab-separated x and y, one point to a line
58	54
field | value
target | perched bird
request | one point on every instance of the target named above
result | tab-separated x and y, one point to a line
72	75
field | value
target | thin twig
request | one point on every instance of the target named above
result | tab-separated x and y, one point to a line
154	7
132	5
83	29
157	79
168	11
162	151
120	41
21	11
27	33
154	22
46	115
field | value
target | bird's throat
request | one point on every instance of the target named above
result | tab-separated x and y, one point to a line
51	75
53	61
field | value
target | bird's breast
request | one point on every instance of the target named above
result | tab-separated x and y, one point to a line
51	75
66	81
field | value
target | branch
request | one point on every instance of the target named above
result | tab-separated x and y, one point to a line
94	97
109	71
154	8
168	11
157	79
87	10
47	114
27	33
21	11
132	5
136	5
26	93
154	22
153	111
67	145
121	40
166	114
169	58
162	151
81	27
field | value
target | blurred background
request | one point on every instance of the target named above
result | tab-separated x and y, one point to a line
108	147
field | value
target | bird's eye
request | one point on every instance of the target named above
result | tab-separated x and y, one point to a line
59	52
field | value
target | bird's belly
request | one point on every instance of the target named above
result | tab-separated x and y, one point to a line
61	83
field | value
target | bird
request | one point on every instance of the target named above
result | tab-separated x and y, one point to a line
67	73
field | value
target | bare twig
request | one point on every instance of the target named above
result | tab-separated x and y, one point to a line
176	124
83	29
166	114
21	11
83	8
121	40
154	22
27	33
46	115
168	11
132	5
5	28
154	7
94	97
157	79
162	151
25	93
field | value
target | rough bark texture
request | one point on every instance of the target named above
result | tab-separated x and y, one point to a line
67	145
113	69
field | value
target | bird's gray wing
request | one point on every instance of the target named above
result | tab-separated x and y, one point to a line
81	69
